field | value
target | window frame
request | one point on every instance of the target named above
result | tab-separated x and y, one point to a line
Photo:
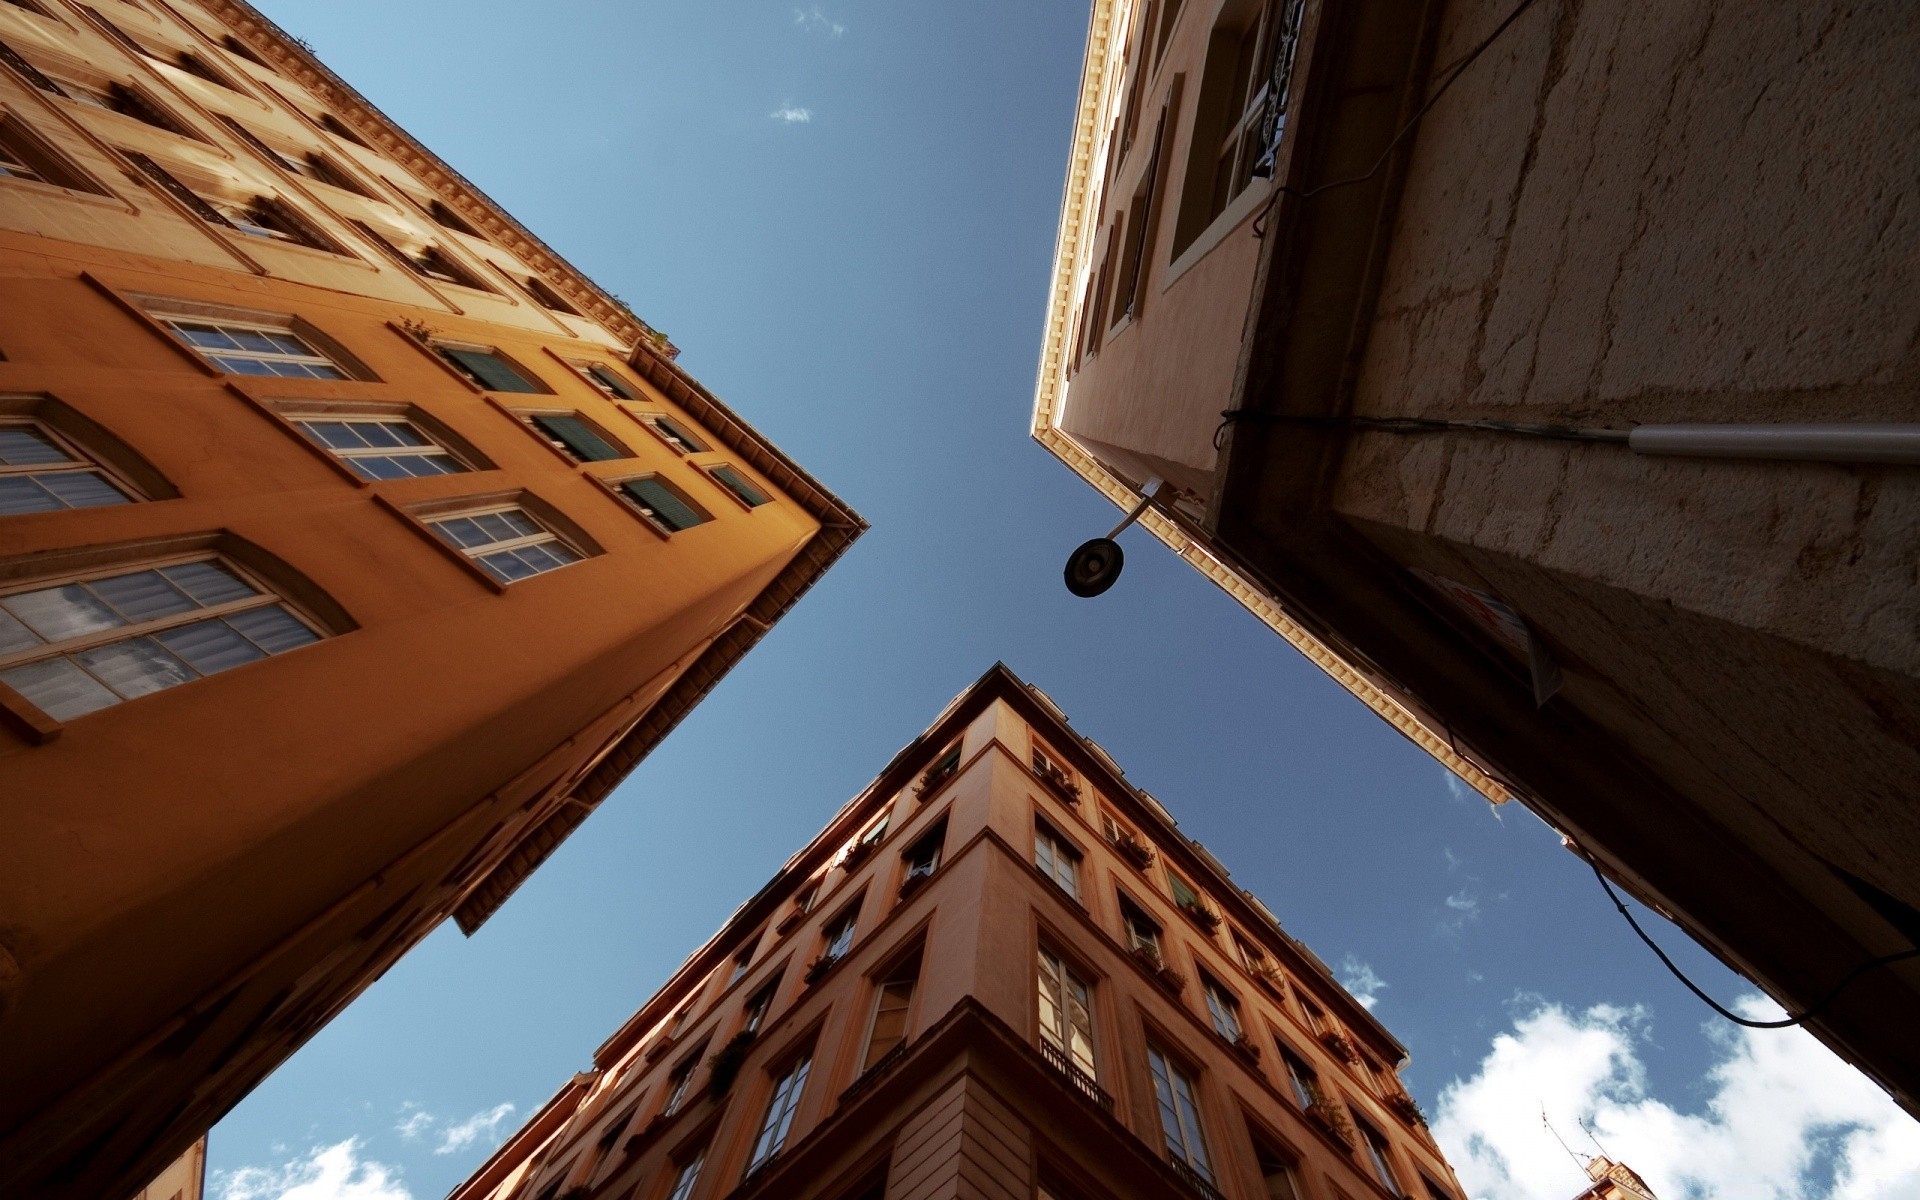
79	460
163	312
783	1102
531	418
55	169
618	486
1223	1007
720	473
1167	1068
651	420
443	350
1062	1035
547	534
264	595
903	968
296	414
589	370
1062	851
1379	1152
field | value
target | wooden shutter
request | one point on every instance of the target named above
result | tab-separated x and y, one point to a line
12	58
672	511
179	191
493	372
578	437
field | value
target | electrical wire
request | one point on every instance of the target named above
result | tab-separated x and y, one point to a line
1457	70
1815	1010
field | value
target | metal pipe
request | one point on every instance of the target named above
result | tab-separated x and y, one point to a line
1839	443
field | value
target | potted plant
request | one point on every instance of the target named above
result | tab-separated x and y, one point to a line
1057	781
1340	1045
1268	976
1406	1108
1201	915
1328	1116
1157	967
856	853
1245	1047
724	1066
819	967
938	774
1133	850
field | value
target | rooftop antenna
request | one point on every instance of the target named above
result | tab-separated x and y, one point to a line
1588	1130
1561	1140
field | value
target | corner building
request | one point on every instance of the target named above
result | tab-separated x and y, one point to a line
353	546
1000	972
1515	362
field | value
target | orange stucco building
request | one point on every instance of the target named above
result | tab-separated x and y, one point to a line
1001	971
353	546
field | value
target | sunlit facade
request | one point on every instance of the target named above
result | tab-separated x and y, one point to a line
353	546
1001	971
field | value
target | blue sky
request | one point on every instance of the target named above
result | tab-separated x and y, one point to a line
844	215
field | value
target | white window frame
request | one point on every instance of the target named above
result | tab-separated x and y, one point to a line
1069	1028
315	364
1223	1009
79	462
434	448
1056	859
683	1183
778	1121
69	648
544	536
1179	1103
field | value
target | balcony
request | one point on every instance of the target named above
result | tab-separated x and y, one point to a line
1192	1178
1081	1082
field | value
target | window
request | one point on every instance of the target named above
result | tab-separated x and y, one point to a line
803	899
779	1118
837	938
1223	1008
1434	1190
1275	1171
1111	829
1251	956
891	1008
680	1020
923	857
1378	1155
742	488
254	349
237	47
1143	932
1066	1011
664	506
1302	1080
338	128
306	163
506	542
1179	1114
39	472
673	433
114	96
24	156
379	447
1316	1016
1056	859
688	1175
678	1079
1244	95
757	1006
487	368
607	381
76	647
545	296
743	960
575	436
1183	893
268	218
1143	214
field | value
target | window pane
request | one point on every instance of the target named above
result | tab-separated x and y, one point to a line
59	613
378	435
462	532
13	635
612	380
20	494
740	486
274	629
28	447
137	667
489	370
82	489
208	582
143	596
59	689
211	646
507	567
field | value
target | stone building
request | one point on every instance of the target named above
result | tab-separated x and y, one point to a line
353	546
1546	370
1000	971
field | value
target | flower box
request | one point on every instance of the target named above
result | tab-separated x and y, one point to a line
1058	782
1272	980
1340	1045
856	853
1246	1048
914	881
1332	1121
1133	850
1202	916
1157	967
1406	1108
820	968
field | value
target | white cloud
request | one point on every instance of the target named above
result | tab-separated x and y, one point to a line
814	21
1456	786
1782	1119
1362	980
335	1172
788	114
485	1123
414	1121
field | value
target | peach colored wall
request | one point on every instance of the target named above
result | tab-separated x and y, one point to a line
982	915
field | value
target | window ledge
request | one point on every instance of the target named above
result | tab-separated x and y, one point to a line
24	718
1231	218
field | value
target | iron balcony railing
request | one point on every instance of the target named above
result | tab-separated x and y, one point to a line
872	1074
1076	1075
1190	1176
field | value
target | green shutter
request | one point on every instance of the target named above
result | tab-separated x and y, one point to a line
492	371
579	438
740	486
609	377
669	509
